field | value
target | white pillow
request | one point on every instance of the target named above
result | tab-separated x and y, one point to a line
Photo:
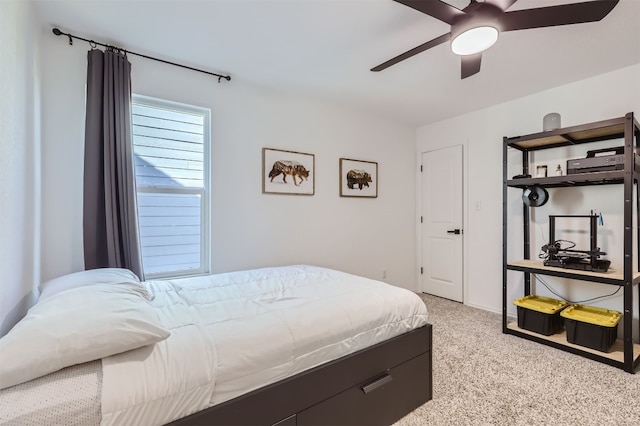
91	277
76	326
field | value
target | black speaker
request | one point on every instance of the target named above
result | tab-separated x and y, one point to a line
535	196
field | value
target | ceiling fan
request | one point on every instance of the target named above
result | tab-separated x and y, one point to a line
476	27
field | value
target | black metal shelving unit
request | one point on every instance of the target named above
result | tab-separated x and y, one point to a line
624	354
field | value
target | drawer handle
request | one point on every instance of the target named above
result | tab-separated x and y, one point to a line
377	383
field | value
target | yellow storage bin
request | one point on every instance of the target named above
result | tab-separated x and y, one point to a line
590	326
540	314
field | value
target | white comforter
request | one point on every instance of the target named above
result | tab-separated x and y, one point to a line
235	332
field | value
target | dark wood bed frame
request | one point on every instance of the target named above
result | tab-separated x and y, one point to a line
375	386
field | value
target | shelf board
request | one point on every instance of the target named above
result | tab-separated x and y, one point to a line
612	276
602	130
578	179
616	353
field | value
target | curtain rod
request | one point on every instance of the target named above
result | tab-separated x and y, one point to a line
57	32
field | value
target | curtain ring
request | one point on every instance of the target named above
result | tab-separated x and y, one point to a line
93	44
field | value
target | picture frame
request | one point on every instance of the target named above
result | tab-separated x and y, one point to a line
287	172
358	178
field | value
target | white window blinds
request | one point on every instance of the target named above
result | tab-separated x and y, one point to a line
171	146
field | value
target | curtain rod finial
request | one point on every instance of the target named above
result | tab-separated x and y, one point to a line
57	32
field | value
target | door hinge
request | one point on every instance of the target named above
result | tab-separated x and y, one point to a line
421	270
421	219
420	167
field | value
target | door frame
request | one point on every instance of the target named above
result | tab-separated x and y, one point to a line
419	199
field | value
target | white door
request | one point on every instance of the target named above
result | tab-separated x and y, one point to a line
442	233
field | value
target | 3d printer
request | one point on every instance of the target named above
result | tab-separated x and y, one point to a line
554	254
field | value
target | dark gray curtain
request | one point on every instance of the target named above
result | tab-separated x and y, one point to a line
110	212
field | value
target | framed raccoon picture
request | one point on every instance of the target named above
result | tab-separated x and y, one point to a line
287	172
358	178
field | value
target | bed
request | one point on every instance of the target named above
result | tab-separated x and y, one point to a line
280	346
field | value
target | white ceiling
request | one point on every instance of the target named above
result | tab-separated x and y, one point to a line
325	49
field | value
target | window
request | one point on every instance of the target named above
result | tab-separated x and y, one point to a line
171	151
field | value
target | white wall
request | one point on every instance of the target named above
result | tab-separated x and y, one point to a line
362	236
19	161
250	229
607	96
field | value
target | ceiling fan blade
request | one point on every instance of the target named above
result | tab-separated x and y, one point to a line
428	45
436	8
470	65
574	13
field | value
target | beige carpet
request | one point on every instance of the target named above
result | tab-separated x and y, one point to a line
484	377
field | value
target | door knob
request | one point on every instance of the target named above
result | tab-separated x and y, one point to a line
454	231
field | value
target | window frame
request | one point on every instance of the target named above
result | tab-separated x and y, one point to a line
204	192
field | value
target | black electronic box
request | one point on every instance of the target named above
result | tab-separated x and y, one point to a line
596	162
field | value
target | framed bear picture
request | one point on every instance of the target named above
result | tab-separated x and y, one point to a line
287	172
358	178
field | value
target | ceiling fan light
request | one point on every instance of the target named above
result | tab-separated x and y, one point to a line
474	40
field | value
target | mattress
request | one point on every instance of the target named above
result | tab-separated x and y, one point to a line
69	397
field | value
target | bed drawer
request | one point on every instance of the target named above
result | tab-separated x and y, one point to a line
380	400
